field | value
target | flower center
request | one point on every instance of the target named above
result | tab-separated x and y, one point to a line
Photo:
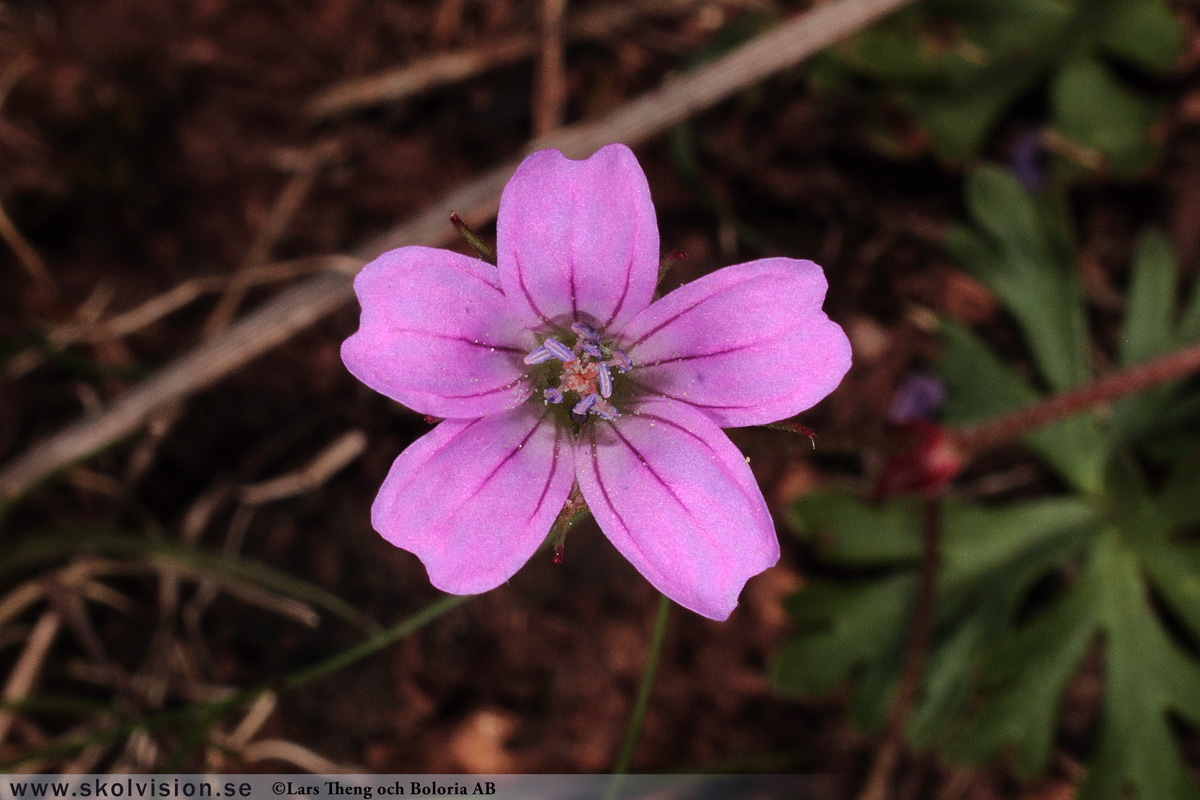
584	384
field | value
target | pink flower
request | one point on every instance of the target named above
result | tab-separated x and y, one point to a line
556	368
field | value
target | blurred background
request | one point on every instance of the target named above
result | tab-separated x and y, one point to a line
1005	198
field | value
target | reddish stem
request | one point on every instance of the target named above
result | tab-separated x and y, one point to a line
1128	381
888	755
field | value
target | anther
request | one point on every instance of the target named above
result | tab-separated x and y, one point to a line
605	410
604	379
591	348
558	349
585	405
621	361
538	355
586	332
553	395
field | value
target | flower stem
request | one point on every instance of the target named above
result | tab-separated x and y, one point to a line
634	730
886	758
1128	381
1007	427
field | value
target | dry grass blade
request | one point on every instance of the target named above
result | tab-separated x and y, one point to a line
440	70
26	255
255	718
296	755
24	673
286	206
297	308
328	462
96	331
550	86
422	76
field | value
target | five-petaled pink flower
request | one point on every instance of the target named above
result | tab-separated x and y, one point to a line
555	368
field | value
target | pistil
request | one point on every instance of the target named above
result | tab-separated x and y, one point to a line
587	372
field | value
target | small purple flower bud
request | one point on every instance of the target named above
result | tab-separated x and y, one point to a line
585	405
591	348
621	361
586	332
919	397
604	379
538	355
558	349
1027	162
553	395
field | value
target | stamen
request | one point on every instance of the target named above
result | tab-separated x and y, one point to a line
538	355
553	395
558	349
605	410
585	405
591	348
586	332
604	379
621	361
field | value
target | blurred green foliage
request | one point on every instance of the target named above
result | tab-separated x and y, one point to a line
956	66
1027	589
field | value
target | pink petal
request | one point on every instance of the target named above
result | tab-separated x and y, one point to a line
674	495
437	334
578	240
748	344
473	499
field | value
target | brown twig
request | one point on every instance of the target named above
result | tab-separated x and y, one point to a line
302	305
90	329
426	74
286	205
446	68
888	755
550	82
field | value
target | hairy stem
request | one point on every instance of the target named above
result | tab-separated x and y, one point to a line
1128	381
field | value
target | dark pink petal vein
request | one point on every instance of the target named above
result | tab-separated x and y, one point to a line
473	499
436	334
749	344
578	240
677	499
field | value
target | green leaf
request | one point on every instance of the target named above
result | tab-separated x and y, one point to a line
1148	328
957	66
1177	502
1189	322
1146	676
845	531
1147	331
979	540
981	387
1022	259
1144	33
841	628
1100	114
857	631
1032	667
1175	570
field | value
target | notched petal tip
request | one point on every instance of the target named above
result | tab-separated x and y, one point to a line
677	499
748	344
437	335
473	499
577	240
